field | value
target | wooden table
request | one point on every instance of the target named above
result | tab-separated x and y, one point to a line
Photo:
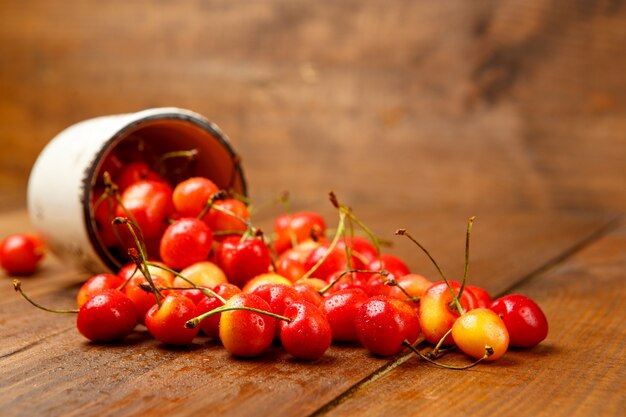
572	264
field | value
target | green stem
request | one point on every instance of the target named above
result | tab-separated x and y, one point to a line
17	286
194	322
331	247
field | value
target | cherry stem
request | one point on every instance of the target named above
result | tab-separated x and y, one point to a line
17	286
142	262
470	222
331	247
435	351
488	353
207	291
194	322
455	298
190	154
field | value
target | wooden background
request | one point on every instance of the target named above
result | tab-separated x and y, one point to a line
446	105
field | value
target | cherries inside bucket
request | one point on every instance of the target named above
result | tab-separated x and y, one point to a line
195	263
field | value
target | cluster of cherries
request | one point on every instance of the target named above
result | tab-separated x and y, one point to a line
198	264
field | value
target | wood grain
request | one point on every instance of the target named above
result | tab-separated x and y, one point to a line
48	369
577	371
438	105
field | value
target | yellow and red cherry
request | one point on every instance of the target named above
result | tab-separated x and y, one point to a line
391	263
482	296
142	299
308	334
130	270
308	293
290	263
292	229
385	324
361	247
96	284
210	325
20	254
438	312
166	323
410	285
340	309
190	196
186	241
203	274
479	331
149	203
333	261
246	333
262	279
242	259
526	322
108	316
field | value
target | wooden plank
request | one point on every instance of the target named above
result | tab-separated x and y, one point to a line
579	370
48	369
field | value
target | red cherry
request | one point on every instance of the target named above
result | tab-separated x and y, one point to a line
279	297
361	247
336	260
383	324
524	319
391	263
413	284
340	309
290	263
166	323
191	195
242	260
246	333
210	325
308	334
308	293
108	316
142	299
185	242
20	254
228	222
134	172
482	296
150	202
104	213
96	284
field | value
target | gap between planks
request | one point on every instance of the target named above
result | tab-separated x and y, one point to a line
401	358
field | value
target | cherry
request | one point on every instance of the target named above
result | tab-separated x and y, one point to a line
166	322
134	172
203	274
384	324
107	316
481	334
262	279
290	263
228	216
437	311
361	247
340	309
308	335
278	297
210	325
524	319
246	333
96	284
185	242
142	299
334	260
242	259
147	203
308	293
292	229
130	270
410	285
105	207
391	263
482	296
20	254
191	195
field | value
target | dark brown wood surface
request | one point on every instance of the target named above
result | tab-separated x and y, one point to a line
418	114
